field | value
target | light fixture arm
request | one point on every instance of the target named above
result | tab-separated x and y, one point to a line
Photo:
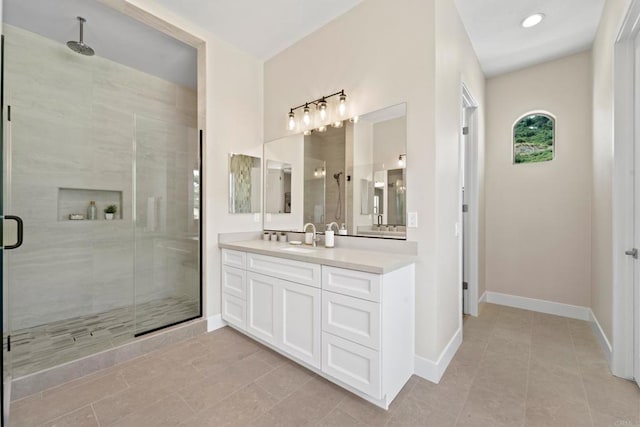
317	101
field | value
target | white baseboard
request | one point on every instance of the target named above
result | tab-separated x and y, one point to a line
483	298
433	371
605	345
539	305
215	322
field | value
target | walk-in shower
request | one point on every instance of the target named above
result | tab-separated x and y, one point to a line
102	163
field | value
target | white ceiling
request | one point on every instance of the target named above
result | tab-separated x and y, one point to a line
111	34
502	45
260	27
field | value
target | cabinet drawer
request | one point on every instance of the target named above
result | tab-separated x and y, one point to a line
353	364
234	281
234	258
351	282
351	318
234	311
294	271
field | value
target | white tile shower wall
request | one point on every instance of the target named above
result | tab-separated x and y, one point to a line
74	120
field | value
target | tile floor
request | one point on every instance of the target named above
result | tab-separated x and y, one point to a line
515	368
41	347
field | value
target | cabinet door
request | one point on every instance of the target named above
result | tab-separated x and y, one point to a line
299	308
261	307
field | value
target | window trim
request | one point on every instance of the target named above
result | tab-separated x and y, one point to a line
513	127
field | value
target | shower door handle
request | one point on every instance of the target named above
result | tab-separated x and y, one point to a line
20	236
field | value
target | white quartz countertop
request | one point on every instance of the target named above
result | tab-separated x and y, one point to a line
354	259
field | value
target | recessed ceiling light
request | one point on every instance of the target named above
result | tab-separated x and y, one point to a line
532	20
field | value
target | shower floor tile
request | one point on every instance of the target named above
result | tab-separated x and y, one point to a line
42	347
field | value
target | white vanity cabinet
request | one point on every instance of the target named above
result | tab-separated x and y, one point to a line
353	327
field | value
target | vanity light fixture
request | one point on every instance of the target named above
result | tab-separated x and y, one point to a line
532	20
342	107
401	160
322	129
322	110
306	117
292	120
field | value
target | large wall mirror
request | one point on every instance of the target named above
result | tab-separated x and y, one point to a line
353	174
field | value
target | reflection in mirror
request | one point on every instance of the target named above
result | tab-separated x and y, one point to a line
353	174
278	187
244	183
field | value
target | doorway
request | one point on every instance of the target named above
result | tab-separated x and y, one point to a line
625	348
469	201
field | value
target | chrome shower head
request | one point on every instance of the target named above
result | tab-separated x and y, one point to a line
336	176
79	46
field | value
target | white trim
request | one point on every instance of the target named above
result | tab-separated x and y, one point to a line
473	191
622	196
433	371
215	322
602	338
539	305
483	298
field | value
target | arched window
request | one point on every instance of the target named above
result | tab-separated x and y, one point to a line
534	138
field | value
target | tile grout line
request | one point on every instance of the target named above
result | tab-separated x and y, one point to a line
480	359
526	389
584	388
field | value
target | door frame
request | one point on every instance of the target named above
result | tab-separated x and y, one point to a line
469	163
622	350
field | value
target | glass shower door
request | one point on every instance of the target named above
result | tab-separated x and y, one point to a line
167	223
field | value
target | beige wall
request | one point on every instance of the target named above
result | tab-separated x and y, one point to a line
234	118
382	68
538	215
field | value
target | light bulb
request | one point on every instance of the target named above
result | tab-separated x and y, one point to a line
532	20
292	121
306	118
342	108
354	119
322	129
337	124
322	109
307	132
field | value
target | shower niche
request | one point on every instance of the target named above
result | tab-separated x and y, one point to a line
76	201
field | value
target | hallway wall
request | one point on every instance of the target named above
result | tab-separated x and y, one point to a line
538	229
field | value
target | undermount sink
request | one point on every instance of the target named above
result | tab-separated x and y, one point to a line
298	249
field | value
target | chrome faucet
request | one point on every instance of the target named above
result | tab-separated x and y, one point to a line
332	224
304	230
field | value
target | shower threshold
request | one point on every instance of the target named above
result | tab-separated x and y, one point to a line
42	347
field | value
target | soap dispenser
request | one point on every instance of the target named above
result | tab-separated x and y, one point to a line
343	230
328	237
92	211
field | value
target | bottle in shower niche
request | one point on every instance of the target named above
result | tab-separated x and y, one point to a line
92	210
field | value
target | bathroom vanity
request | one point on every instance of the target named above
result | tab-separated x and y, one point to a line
346	314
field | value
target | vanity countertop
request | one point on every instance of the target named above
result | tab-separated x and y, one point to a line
353	259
